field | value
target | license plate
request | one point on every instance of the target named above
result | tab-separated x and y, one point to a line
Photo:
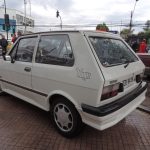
128	82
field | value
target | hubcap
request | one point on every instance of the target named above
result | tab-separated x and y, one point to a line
63	117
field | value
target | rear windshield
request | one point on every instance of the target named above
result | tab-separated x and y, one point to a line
112	51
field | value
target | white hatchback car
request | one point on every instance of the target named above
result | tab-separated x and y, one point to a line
79	76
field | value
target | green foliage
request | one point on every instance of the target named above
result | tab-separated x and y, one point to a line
147	34
126	32
102	27
147	24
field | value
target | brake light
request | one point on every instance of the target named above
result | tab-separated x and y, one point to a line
138	78
110	91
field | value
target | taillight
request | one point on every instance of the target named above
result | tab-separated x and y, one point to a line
110	91
138	78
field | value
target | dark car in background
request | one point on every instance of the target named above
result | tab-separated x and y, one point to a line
145	57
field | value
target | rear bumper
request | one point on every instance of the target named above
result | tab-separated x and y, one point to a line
114	106
108	115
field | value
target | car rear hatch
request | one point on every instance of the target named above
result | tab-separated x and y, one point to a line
120	67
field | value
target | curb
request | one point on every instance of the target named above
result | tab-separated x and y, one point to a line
144	108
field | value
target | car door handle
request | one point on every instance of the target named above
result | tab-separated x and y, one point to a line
27	69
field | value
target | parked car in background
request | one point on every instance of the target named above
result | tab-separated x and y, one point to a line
145	57
79	76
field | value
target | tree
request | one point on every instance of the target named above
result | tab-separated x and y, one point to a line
147	25
102	27
125	33
141	34
147	34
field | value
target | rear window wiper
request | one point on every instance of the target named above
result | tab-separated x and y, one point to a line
127	63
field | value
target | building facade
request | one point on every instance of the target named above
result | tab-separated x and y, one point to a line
17	20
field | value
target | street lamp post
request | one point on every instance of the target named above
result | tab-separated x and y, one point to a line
58	15
5	6
132	12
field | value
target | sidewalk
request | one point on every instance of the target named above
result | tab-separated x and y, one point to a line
25	127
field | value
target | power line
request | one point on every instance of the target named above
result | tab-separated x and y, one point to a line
84	25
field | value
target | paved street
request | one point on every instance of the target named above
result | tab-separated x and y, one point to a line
23	126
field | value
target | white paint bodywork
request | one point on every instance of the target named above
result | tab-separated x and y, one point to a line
70	82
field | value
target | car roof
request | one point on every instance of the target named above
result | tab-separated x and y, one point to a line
72	31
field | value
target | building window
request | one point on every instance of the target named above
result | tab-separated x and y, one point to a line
19	19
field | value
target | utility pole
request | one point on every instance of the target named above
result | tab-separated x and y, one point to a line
6	27
30	7
25	3
121	26
132	12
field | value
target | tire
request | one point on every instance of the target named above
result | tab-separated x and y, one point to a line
1	92
65	118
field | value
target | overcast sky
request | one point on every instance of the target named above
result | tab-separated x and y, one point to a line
84	11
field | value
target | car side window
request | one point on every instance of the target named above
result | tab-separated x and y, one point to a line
55	49
23	51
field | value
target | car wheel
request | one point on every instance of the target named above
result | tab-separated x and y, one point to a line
1	92
65	117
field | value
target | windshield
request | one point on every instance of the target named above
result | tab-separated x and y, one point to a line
112	51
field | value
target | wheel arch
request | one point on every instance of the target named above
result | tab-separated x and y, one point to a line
57	94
